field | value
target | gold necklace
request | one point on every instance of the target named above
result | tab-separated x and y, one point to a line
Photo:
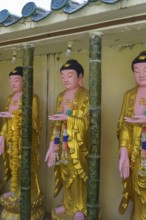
142	101
14	102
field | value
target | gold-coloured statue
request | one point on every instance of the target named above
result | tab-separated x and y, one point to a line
132	142
10	148
69	143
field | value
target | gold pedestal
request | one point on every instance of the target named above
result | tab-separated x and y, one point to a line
11	209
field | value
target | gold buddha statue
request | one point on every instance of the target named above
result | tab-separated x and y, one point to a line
10	149
132	142
69	143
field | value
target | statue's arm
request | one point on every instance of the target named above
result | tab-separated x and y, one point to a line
35	114
4	128
50	156
124	140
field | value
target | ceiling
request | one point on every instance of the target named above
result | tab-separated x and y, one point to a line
113	35
120	36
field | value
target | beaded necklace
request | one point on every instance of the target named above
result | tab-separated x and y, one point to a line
63	158
143	142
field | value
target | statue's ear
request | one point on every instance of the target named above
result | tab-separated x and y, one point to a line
81	80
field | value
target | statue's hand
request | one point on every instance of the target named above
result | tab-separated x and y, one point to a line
50	156
5	115
57	117
124	164
2	144
136	119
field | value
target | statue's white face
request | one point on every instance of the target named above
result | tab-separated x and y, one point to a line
140	74
16	83
70	79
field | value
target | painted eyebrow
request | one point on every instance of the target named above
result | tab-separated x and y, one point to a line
16	79
136	67
70	73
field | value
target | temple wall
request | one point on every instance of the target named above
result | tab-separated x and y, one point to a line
117	77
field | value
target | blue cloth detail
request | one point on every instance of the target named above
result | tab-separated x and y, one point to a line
56	140
65	138
144	145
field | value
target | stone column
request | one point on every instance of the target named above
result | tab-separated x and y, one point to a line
95	126
25	205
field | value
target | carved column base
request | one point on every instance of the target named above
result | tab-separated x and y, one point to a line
11	209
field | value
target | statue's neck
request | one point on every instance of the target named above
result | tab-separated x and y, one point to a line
17	94
141	87
72	91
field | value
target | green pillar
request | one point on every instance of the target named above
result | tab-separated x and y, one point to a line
25	205
95	126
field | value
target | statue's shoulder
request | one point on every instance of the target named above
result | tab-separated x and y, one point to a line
83	92
132	91
10	96
35	96
60	95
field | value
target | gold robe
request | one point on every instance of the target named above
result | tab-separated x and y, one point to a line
11	130
73	176
129	136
